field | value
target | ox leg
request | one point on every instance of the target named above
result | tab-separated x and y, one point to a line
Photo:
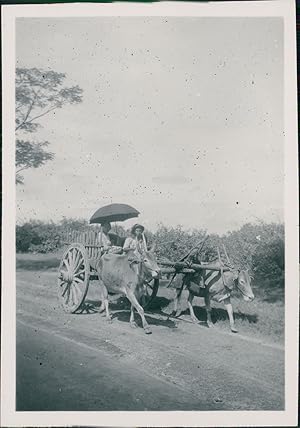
102	306
229	310
104	300
101	285
177	311
208	310
190	305
108	316
132	322
133	300
175	303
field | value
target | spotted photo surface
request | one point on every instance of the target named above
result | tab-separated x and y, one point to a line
151	228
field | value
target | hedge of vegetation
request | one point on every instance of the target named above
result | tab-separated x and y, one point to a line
259	247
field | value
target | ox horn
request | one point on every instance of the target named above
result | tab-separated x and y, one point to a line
227	258
153	247
219	255
144	240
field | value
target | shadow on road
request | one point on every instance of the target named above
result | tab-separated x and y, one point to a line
161	306
120	308
219	314
124	316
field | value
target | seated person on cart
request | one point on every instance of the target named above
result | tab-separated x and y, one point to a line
110	240
137	242
112	243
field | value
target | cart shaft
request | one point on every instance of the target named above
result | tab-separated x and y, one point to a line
180	267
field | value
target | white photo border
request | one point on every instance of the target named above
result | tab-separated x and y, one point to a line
288	417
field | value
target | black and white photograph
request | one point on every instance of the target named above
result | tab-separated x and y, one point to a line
150	156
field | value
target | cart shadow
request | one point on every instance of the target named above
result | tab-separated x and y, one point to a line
161	306
90	306
120	309
124	316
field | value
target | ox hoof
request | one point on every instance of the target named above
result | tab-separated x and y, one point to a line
147	330
210	325
133	324
109	320
234	330
195	320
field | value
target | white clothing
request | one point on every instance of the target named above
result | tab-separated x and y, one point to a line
134	244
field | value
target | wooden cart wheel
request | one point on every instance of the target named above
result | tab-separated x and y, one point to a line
151	288
73	277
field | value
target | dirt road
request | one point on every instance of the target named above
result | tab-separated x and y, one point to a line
80	362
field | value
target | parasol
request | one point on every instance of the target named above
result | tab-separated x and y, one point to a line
114	212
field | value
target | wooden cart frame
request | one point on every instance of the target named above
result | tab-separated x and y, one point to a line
77	269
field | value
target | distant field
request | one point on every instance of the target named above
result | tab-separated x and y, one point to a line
31	261
264	317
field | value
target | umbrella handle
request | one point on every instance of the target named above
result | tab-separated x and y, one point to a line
101	236
145	243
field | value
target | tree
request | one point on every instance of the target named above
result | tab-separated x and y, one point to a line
38	92
30	155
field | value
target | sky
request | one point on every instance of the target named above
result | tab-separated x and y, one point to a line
182	118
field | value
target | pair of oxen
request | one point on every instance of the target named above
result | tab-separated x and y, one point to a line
126	274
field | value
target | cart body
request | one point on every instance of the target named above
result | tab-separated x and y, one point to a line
78	267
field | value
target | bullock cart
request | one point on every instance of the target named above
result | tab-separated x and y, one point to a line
77	269
82	252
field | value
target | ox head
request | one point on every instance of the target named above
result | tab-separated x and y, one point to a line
243	283
240	278
149	263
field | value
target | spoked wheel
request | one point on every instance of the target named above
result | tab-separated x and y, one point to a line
73	277
151	288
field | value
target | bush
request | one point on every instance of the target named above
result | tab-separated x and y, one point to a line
258	247
26	235
268	262
37	236
173	243
43	237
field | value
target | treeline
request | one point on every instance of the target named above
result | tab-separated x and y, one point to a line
258	247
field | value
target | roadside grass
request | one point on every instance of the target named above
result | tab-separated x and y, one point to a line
258	318
31	261
263	318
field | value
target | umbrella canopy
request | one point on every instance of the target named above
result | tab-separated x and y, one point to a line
114	212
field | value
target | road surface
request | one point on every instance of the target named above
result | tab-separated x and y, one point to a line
80	362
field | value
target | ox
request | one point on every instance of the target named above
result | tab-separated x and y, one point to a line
214	285
126	274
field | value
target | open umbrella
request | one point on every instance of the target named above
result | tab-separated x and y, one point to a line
114	212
